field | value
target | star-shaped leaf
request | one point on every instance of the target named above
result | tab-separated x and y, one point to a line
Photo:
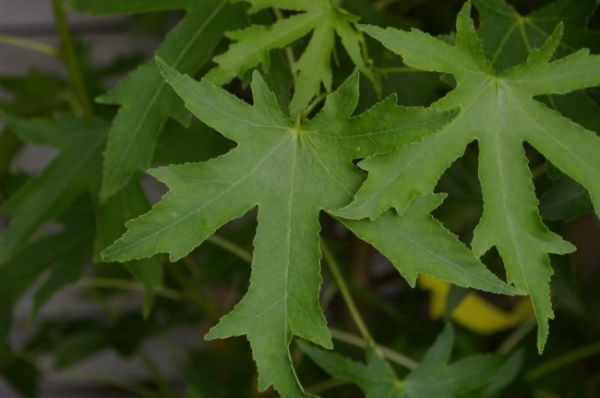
146	100
510	45
497	110
434	377
321	17
292	172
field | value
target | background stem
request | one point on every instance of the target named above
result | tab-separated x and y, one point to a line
27	44
339	280
69	57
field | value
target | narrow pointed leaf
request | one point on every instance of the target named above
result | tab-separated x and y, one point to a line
69	250
510	45
146	100
128	203
75	169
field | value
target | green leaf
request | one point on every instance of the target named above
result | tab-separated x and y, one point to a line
129	203
565	200
418	243
434	377
292	172
320	17
69	267
510	45
376	378
79	345
34	93
64	255
75	169
499	112
146	100
508	37
20	373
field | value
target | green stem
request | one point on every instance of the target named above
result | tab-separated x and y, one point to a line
314	104
27	44
123	284
231	247
135	388
125	385
397	69
289	52
166	391
326	385
564	360
10	145
339	280
328	295
516	336
362	343
381	5
69	57
539	171
192	293
94	294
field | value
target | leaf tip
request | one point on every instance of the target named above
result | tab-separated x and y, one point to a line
162	66
371	30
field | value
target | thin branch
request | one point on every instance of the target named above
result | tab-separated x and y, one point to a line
32	45
517	335
231	247
314	104
563	360
339	280
69	57
397	69
289	52
124	284
325	385
362	343
166	390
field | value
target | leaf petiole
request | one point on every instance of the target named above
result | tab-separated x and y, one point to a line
289	52
367	339
339	280
124	284
161	381
311	107
231	248
515	337
563	360
326	385
397	69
